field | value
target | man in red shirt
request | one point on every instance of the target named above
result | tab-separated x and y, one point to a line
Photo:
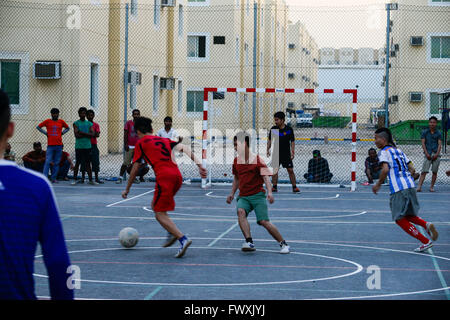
54	134
157	152
250	173
130	139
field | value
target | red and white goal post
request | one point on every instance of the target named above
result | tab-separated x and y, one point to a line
353	92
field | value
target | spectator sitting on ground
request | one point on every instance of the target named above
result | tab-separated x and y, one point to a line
9	155
318	169
372	166
64	165
143	170
35	159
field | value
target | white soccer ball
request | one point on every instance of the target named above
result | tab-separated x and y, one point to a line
128	237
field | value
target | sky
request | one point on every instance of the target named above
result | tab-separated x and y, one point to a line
342	23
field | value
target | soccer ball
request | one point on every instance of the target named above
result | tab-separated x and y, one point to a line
128	237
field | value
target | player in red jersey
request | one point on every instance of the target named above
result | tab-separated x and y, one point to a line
157	152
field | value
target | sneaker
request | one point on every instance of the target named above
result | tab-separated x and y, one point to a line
92	182
296	190
100	181
136	181
248	246
170	240
274	189
424	247
183	248
119	181
432	232
284	248
74	182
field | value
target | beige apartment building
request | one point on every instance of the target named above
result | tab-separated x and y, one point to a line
302	66
419	58
71	53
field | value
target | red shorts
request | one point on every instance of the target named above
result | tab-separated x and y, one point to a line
165	191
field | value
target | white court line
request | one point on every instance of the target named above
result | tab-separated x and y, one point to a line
128	199
209	194
223	234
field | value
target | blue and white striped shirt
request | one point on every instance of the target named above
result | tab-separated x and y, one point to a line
399	176
28	215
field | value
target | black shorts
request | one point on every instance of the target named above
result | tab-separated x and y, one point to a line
83	157
286	163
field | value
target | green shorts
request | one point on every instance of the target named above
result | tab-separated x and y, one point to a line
255	202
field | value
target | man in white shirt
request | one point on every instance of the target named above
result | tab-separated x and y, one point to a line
168	131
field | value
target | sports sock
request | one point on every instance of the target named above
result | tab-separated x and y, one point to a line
183	238
411	230
417	220
249	240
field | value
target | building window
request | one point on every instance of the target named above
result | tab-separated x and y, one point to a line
10	79
440	47
180	20
219	40
14	75
198	2
156	12
133	7
439	2
155	93
197	46
436	102
94	85
194	101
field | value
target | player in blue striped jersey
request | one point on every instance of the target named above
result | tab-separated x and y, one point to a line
403	199
28	215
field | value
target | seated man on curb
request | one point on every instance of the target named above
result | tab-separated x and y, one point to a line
318	169
372	166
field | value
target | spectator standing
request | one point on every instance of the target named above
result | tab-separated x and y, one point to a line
55	129
130	139
35	159
83	133
431	146
95	153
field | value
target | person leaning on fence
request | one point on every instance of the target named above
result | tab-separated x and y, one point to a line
285	151
9	154
35	159
83	133
130	139
431	145
318	169
95	153
28	215
54	134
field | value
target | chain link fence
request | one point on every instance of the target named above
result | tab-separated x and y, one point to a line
158	56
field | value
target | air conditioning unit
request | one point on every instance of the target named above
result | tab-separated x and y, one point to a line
167	83
291	105
134	78
47	70
394	99
396	47
291	45
168	3
393	54
415	96
291	75
416	41
304	78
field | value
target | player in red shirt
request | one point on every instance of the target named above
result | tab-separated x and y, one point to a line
250	173
157	152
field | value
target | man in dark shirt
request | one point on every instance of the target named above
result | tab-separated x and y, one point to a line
284	150
35	159
372	166
431	146
318	169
